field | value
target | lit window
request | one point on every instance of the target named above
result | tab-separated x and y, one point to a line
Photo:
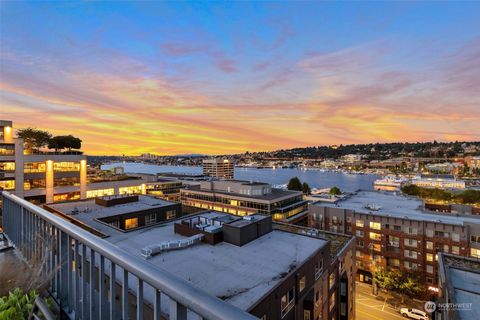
375	225
475	253
301	284
171	214
359	223
455	250
331	280
429	245
288	302
429	257
131	223
375	236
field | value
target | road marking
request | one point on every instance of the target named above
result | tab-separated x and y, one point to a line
383	308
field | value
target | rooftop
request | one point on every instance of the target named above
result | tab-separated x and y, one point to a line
275	193
87	211
463	277
239	275
389	204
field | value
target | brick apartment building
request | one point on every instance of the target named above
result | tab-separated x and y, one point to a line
396	232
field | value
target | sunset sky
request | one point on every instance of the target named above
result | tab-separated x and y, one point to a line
217	78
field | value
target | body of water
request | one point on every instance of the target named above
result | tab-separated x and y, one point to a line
315	178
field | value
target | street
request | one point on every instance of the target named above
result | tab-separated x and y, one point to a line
370	307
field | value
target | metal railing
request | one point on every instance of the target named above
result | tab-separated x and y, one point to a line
87	272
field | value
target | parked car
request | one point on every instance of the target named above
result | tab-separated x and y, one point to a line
414	314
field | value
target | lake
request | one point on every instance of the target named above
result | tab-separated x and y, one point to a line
315	178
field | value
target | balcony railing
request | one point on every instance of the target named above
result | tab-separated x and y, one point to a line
87	272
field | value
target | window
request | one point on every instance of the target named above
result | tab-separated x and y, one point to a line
475	253
429	245
455	250
360	243
375	236
377	247
393	262
331	280
375	225
171	214
442	234
318	269
359	223
429	257
429	233
359	254
455	237
332	301
288	301
410	242
301	284
343	309
429	269
150	218
410	265
306	314
394	241
475	239
410	254
359	233
411	230
445	248
131	223
397	228
349	219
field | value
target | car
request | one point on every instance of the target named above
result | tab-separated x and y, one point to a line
413	314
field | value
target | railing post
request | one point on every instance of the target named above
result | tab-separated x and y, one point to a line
125	295
101	288
157	308
140	299
92	285
112	290
63	254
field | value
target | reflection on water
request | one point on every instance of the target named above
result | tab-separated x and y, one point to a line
315	178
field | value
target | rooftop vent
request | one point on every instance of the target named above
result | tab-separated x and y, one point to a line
373	207
154	249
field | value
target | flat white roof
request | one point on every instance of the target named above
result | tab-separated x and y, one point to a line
393	205
238	275
89	211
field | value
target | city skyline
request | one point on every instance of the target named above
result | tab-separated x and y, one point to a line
216	78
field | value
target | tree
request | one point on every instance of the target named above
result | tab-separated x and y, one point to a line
34	138
295	184
306	188
335	191
65	142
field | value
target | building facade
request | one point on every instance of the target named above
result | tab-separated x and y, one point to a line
218	168
396	232
40	176
243	198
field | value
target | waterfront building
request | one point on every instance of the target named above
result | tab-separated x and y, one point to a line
441	181
473	162
396	232
244	197
218	168
459	284
270	270
389	183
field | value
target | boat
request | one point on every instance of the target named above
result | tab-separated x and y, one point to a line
389	183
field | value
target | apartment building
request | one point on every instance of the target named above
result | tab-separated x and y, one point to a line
244	197
396	232
272	271
218	168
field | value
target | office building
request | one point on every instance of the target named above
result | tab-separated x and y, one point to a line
459	284
218	168
396	232
272	271
40	176
243	198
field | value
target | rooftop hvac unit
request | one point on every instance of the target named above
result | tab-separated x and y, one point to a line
154	249
249	218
